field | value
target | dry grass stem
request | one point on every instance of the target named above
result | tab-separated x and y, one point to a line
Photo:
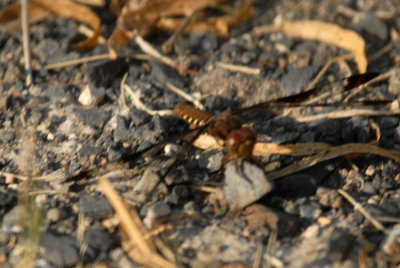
150	50
239	68
25	41
140	105
122	89
145	253
169	44
186	96
258	256
347	114
77	61
369	217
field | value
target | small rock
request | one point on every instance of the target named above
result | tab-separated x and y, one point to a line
156	212
368	188
312	231
296	185
12	74
103	73
370	22
50	51
122	133
177	175
120	257
139	117
16	216
179	192
94	117
311	210
244	184
91	96
55	93
326	196
296	79
340	243
6	199
53	215
95	207
61	251
99	241
211	160
161	74
148	182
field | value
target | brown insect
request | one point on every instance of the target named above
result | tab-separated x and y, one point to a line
238	140
225	128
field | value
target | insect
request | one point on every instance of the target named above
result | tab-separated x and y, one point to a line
239	141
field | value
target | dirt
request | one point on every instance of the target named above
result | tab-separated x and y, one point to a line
304	221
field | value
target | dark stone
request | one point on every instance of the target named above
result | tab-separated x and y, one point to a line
56	93
6	199
296	185
288	224
50	51
94	117
339	245
161	74
99	241
122	133
378	210
144	133
369	21
329	131
90	150
103	73
3	68
202	41
139	117
296	79
355	130
59	250
308	136
95	207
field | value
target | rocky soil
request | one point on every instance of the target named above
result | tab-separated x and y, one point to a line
304	221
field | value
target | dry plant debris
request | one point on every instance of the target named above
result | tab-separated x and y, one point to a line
133	241
166	15
42	9
328	33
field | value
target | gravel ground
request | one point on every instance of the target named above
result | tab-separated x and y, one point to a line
303	222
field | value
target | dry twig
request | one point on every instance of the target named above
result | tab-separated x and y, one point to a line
239	68
150	50
142	251
140	105
186	96
25	40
